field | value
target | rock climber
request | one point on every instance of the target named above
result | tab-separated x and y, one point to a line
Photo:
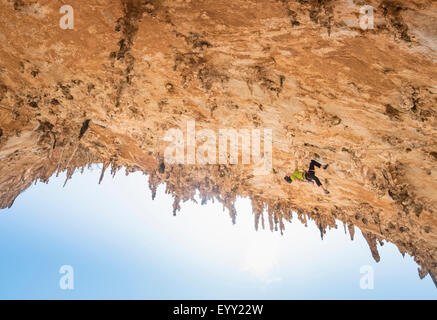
306	176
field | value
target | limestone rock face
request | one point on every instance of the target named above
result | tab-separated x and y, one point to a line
108	91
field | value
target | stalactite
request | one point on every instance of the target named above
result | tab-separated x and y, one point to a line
153	184
401	251
351	230
270	216
114	169
257	207
105	165
70	172
60	159
176	205
281	226
262	221
233	214
73	154
371	240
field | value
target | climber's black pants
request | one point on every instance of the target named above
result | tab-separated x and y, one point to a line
310	175
312	164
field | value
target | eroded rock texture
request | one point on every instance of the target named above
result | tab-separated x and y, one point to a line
108	90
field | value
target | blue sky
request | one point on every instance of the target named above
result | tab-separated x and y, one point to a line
123	245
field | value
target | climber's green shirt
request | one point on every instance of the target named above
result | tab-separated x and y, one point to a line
299	175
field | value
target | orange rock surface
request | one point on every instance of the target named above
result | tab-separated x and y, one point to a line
108	90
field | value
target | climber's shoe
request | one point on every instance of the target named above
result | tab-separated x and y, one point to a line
327	192
325	166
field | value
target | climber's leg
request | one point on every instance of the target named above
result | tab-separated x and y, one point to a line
312	164
312	177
